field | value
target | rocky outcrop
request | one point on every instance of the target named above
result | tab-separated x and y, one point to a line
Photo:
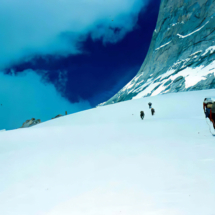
59	115
181	56
33	121
30	122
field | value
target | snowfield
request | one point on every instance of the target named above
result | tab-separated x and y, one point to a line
107	161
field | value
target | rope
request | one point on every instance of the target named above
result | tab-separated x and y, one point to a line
209	127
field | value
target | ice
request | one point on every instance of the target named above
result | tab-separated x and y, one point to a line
146	91
195	53
174	24
181	36
211	49
159	90
132	83
163	45
195	75
108	161
192	75
129	85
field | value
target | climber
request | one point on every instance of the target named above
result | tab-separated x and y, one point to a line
153	111
212	114
209	109
207	105
142	114
150	105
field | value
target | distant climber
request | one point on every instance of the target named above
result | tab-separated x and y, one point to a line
142	114
150	105
153	111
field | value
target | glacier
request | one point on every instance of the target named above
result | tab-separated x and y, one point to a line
107	160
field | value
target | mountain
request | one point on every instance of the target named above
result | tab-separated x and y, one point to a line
181	54
107	161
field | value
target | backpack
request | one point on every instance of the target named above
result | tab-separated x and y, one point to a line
213	108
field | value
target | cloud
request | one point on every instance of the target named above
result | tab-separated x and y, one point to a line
57	27
24	96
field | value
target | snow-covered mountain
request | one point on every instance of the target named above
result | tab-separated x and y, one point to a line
107	161
182	52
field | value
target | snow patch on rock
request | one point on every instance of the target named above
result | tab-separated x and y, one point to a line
181	36
211	49
163	45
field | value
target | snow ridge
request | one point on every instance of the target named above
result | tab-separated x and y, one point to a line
163	45
181	36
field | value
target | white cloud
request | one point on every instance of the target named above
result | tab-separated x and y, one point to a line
55	26
25	96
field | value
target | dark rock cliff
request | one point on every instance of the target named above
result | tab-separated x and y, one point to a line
181	56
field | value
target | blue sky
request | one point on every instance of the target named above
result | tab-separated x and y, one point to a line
20	100
84	50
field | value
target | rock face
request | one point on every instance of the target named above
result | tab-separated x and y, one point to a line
31	122
181	56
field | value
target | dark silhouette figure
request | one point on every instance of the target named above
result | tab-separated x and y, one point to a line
212	114
150	105
153	111
209	109
142	114
207	105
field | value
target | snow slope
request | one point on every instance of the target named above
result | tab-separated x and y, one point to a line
107	161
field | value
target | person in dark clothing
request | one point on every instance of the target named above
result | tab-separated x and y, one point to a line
153	111
142	114
207	107
204	104
150	105
212	114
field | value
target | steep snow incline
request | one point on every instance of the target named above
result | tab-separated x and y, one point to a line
108	161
